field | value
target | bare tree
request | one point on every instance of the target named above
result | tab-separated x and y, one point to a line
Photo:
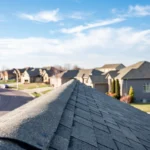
67	66
76	67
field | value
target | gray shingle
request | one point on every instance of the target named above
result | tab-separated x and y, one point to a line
101	138
137	146
76	117
76	144
67	118
84	133
83	121
100	126
101	147
63	132
123	147
59	143
82	113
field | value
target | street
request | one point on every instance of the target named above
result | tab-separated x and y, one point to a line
11	99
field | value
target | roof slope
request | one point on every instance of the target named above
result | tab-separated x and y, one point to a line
112	74
75	117
135	71
111	66
34	72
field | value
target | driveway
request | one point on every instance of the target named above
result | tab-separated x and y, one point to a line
11	99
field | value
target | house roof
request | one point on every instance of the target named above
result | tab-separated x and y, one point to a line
98	79
22	70
52	71
139	70
111	66
112	74
70	74
88	72
74	117
34	72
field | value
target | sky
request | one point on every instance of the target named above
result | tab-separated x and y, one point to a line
87	33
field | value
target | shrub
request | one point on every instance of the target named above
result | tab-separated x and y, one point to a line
112	94
131	92
126	99
117	89
113	86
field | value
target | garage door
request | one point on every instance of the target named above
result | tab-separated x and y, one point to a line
102	87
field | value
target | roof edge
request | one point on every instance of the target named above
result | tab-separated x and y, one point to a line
44	113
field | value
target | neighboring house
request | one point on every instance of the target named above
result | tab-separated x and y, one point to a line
9	74
137	76
91	77
20	73
32	76
63	77
49	72
111	67
75	117
111	76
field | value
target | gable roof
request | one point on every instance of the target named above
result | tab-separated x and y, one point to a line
74	117
112	74
70	74
34	72
98	79
138	70
88	72
110	66
52	71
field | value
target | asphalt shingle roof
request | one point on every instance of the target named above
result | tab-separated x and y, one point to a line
140	70
111	66
34	72
75	117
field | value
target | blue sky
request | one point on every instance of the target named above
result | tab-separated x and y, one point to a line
88	33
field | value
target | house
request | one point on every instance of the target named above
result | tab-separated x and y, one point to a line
32	75
111	76
61	78
9	74
111	67
20	73
75	117
49	72
90	77
137	76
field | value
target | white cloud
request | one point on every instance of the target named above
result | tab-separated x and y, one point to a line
133	11
90	49
139	10
80	15
80	28
43	16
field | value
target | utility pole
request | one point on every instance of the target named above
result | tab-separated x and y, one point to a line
17	80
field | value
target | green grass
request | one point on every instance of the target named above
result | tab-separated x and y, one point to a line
143	107
44	92
35	94
7	82
32	86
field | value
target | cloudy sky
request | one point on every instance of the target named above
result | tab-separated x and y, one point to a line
87	33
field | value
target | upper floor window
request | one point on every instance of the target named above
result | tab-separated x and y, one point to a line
147	88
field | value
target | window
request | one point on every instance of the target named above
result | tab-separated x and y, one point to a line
146	88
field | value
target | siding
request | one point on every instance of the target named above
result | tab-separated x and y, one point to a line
138	89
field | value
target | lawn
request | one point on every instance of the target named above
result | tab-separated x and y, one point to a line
35	94
44	92
32	86
143	107
8	82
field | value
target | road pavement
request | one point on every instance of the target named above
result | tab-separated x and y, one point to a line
11	99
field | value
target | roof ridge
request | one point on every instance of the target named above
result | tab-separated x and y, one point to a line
44	112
